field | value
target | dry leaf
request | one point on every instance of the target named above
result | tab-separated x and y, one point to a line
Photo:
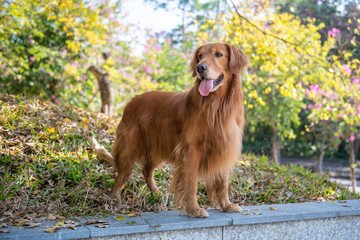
257	213
72	227
32	224
91	221
51	217
133	215
3	225
245	213
101	225
4	231
51	230
271	208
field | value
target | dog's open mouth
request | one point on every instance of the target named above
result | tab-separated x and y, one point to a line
206	85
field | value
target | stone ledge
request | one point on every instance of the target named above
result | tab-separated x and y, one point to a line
255	221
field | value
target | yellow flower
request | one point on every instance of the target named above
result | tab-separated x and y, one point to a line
267	90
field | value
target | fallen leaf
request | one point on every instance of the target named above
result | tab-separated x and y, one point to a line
4	231
131	222
257	213
51	230
133	215
3	225
119	218
19	223
245	213
32	224
72	227
91	221
271	208
51	217
59	224
101	225
346	205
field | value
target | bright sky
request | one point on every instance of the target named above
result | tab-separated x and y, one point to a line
145	17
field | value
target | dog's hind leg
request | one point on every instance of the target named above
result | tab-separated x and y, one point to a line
148	173
124	164
121	179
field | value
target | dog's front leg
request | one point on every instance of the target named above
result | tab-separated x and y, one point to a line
221	189
191	169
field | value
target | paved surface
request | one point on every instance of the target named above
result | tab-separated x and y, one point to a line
315	220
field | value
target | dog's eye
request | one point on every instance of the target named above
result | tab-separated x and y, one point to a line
200	56
217	54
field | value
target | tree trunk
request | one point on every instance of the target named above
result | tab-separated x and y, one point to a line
275	144
352	160
322	152
106	91
352	165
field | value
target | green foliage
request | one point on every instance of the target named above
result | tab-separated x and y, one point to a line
45	44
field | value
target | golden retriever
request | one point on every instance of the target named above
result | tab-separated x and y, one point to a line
199	132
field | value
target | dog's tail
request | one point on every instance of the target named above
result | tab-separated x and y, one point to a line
101	151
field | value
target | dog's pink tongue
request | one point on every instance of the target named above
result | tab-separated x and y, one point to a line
205	87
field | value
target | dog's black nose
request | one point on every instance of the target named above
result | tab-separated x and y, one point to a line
200	68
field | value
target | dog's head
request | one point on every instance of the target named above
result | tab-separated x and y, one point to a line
214	64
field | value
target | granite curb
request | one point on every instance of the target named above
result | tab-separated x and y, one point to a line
169	221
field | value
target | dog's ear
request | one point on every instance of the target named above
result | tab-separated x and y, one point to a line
238	60
194	62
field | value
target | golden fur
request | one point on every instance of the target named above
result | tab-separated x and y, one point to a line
201	136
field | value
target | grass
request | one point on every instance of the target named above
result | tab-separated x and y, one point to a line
46	166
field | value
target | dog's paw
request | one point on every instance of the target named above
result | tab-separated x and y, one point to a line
197	213
232	208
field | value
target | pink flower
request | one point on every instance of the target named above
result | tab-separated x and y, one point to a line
84	76
333	32
63	52
81	92
310	106
148	69
314	88
31	41
330	96
346	69
352	138
356	81
63	83
32	58
42	69
51	73
57	101
157	48
53	96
